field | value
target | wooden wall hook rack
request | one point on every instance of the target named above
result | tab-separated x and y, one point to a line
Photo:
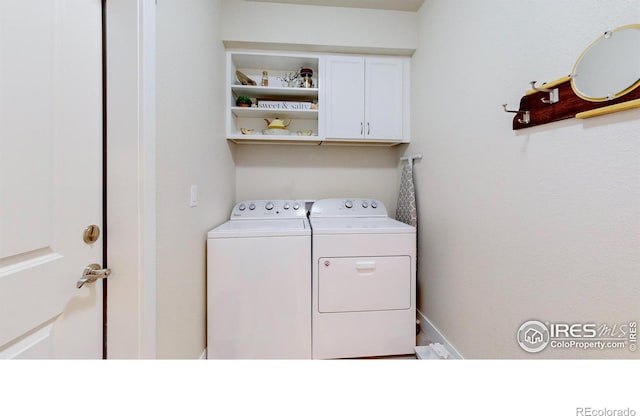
536	102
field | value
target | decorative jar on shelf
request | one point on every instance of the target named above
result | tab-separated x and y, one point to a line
306	78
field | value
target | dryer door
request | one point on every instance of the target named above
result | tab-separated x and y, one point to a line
353	284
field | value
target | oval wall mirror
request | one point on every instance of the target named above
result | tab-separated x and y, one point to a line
610	66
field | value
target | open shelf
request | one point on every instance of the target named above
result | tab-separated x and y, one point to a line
286	102
273	139
264	112
274	92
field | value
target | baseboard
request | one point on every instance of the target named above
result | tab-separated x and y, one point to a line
434	335
203	356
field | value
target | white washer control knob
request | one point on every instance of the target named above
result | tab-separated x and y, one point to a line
286	205
296	206
269	206
374	204
348	204
365	204
252	206
242	207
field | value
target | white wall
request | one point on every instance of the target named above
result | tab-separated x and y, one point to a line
191	150
539	224
314	172
336	29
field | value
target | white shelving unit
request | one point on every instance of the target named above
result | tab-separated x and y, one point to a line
277	65
358	100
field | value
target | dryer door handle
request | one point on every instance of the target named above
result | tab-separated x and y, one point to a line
367	267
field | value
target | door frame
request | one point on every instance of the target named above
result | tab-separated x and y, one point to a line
131	178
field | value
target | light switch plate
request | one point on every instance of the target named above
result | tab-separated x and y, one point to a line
194	196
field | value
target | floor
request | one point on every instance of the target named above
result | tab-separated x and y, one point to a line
421	339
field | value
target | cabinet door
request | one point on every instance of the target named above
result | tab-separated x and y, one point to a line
345	97
384	98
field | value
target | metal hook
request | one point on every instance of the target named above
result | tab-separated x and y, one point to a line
526	118
533	86
411	158
554	94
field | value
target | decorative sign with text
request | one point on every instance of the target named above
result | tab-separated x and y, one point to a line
285	105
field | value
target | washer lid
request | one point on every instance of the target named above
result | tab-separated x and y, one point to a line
261	228
359	226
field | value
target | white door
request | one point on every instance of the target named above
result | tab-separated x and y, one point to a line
384	98
345	97
50	177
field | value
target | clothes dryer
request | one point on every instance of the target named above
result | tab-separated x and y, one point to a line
363	280
259	282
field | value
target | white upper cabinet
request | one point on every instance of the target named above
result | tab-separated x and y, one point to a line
349	99
367	99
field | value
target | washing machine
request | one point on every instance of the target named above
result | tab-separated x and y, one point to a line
363	280
259	282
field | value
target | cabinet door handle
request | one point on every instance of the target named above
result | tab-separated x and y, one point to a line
368	128
361	128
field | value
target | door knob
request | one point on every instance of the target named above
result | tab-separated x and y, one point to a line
92	273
